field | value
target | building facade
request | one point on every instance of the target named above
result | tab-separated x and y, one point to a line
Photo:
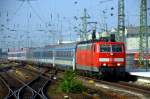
132	47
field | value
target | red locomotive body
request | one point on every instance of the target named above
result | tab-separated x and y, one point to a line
101	57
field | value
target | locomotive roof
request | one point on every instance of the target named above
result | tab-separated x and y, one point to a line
99	41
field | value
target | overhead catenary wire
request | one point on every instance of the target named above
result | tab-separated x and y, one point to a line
17	10
15	13
30	5
104	1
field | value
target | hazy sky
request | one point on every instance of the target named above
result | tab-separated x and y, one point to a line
40	22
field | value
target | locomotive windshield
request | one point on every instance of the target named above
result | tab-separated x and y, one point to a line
105	48
116	48
110	48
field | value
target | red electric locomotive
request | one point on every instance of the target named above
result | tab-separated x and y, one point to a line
104	56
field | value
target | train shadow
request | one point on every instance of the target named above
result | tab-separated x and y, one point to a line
127	77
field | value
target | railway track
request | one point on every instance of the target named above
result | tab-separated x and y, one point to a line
124	85
34	89
4	89
19	88
43	73
143	81
12	84
136	88
121	85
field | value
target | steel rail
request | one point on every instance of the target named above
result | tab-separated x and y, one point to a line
27	85
42	87
122	85
10	90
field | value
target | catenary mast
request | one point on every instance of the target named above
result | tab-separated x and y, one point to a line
143	34
121	22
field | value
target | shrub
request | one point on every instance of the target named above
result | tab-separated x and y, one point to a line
70	83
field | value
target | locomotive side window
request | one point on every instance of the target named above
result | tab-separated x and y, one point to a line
105	48
36	54
85	46
50	53
116	48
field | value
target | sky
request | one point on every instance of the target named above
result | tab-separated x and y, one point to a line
30	23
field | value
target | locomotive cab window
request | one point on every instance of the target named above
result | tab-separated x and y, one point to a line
111	48
105	48
116	48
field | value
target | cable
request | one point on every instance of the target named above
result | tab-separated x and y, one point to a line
36	12
104	1
17	9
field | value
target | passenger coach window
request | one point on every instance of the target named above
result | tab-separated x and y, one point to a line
116	48
105	48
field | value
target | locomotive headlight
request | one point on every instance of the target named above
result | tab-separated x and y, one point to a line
111	54
104	64
118	64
